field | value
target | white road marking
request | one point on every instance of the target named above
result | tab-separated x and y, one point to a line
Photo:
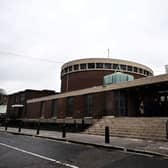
39	156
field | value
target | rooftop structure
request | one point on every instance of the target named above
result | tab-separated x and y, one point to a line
90	72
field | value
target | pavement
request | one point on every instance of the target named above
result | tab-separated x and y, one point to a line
156	148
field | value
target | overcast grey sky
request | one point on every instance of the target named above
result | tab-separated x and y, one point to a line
63	30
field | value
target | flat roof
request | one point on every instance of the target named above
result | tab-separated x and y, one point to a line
105	60
31	90
129	84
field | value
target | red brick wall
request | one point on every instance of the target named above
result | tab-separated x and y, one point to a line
86	79
98	105
79	107
110	103
21	98
62	108
103	104
33	110
47	109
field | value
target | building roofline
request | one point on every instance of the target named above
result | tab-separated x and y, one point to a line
105	60
137	82
32	90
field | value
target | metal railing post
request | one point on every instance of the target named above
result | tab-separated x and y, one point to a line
167	129
6	125
83	124
107	135
38	128
64	131
20	126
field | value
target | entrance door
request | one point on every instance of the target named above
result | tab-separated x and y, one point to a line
121	103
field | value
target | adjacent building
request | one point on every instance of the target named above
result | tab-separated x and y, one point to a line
17	102
3	105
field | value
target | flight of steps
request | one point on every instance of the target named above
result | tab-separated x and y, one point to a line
135	127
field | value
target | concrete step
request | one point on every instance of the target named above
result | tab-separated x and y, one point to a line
135	136
127	131
150	136
153	128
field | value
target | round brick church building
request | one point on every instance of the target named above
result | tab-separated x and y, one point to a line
85	73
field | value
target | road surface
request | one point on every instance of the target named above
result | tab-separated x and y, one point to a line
17	151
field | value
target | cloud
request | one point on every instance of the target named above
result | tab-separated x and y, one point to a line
64	30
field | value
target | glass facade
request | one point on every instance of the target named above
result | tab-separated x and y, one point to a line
91	65
99	65
70	106
42	111
89	105
82	66
107	66
76	67
117	77
54	108
121	103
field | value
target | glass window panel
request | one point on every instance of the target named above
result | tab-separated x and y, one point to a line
107	66
70	68
130	68
76	67
89	105
140	70
99	65
66	69
115	66
82	66
91	65
70	106
135	69
42	109
54	108
123	67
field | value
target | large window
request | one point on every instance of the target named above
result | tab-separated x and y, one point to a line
121	103
99	65
91	65
107	66
22	98
115	66
76	67
130	68
89	105
135	69
70	68
82	66
54	108
145	72
42	111
17	98
140	70
70	106
123	67
66	70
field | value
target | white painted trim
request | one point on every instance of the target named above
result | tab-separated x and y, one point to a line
17	105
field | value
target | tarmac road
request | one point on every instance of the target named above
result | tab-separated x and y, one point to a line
17	151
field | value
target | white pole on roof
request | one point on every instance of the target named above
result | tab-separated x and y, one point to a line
108	52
